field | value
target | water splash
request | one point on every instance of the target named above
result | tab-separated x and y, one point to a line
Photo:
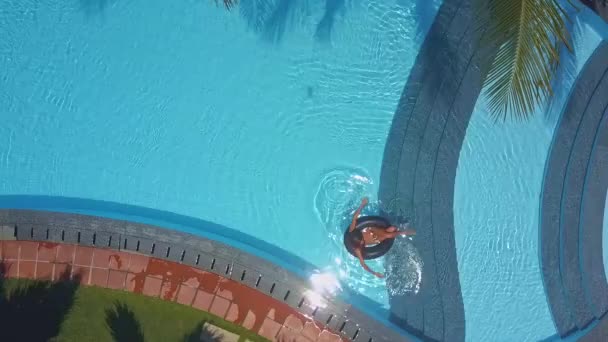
404	268
339	194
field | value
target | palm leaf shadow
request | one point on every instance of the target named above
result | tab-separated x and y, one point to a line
92	7
203	333
326	24
123	324
271	18
42	303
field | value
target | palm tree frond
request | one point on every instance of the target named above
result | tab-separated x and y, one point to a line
529	34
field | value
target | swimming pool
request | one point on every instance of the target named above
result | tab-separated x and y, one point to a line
267	120
165	113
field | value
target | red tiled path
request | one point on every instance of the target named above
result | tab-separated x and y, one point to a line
167	280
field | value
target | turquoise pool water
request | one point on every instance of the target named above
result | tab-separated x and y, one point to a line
257	119
260	121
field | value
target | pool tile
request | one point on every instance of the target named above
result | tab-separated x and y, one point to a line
192	282
293	323
168	290
186	294
271	312
209	282
116	279
11	268
225	291
11	250
138	263
130	283
233	313
27	269
81	274
265	285
99	277
119	261
83	256
65	253
203	300
101	257
152	286
269	329
311	331
336	322
328	336
287	335
249	321
47	251
29	250
44	270
219	306
62	271
362	336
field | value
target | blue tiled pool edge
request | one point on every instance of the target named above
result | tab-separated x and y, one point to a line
571	212
420	162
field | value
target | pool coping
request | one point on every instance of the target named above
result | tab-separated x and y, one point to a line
197	252
166	280
420	164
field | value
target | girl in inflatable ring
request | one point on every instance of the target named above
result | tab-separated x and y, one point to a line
374	235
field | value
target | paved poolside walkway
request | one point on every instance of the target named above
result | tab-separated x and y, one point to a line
166	280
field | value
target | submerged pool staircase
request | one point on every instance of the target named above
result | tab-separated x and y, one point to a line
419	168
572	208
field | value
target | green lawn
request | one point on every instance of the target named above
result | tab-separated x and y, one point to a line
37	311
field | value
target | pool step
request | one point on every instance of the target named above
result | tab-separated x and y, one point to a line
419	169
572	203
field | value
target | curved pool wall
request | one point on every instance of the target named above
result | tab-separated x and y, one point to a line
574	189
498	189
494	174
605	237
371	314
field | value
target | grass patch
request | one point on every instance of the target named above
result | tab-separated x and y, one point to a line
66	312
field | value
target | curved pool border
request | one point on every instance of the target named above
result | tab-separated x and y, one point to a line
420	162
165	280
46	220
572	206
